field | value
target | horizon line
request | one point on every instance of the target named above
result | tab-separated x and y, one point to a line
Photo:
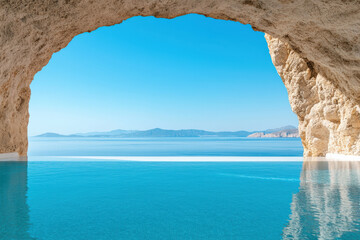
182	129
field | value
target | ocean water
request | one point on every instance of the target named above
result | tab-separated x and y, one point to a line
164	147
179	200
57	195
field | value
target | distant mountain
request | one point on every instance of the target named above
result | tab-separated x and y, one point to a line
116	132
158	132
284	133
288	127
50	134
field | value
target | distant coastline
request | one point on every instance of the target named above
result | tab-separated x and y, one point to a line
283	132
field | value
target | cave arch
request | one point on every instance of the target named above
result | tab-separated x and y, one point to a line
314	45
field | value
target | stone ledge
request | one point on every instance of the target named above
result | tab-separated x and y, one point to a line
342	157
14	156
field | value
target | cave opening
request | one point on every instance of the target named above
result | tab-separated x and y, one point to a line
190	72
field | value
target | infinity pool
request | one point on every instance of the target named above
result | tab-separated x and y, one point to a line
179	200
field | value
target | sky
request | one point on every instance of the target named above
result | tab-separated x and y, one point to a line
191	72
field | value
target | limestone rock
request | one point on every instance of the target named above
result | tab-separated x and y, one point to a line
256	135
328	119
289	133
315	46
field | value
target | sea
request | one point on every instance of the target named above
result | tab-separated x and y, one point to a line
93	189
171	146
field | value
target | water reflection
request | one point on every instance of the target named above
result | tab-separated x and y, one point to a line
14	211
327	205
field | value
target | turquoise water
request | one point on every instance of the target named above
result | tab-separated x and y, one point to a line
165	147
179	200
56	195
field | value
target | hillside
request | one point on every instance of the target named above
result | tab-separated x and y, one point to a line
285	133
288	131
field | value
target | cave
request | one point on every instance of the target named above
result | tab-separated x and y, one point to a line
314	45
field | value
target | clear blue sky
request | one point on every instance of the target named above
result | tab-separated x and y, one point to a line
187	72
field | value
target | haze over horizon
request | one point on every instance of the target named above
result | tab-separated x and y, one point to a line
287	127
190	72
159	132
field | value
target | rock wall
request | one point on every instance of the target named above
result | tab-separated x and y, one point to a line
315	46
329	121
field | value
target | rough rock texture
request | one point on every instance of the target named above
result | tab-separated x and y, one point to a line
315	47
329	120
